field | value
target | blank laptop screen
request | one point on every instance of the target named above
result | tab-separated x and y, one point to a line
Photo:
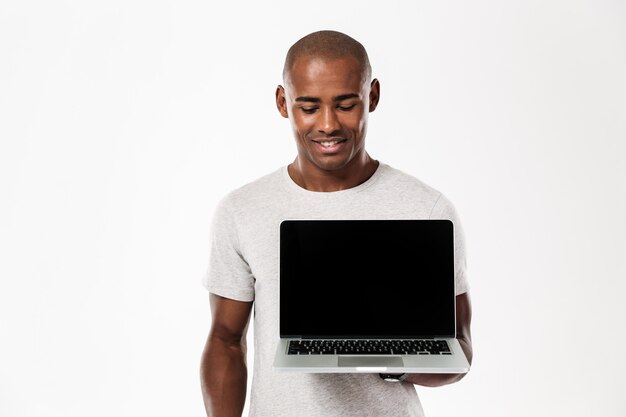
367	278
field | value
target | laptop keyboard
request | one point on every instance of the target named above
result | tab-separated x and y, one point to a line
369	347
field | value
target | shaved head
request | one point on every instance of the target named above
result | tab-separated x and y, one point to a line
328	44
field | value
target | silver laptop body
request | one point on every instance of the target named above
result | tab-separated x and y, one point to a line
384	286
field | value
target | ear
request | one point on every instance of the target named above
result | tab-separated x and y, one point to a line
281	101
374	94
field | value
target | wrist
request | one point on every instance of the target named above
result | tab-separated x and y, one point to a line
394	377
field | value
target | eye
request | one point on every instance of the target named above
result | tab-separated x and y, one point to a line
308	110
346	108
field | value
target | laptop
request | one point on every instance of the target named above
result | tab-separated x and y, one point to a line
367	296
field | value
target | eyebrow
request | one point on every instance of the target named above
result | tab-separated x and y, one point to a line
313	99
338	98
346	96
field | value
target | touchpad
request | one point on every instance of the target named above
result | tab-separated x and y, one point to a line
392	361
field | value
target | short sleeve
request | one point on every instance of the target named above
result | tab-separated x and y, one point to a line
443	209
228	274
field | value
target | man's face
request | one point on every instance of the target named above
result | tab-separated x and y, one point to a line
327	102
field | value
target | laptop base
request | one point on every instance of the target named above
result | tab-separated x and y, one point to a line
455	363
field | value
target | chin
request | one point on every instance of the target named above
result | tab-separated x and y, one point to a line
332	162
331	165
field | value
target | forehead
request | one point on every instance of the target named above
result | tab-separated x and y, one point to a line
320	77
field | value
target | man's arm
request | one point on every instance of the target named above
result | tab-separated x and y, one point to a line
463	334
223	371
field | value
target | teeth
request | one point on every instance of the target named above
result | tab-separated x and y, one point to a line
328	144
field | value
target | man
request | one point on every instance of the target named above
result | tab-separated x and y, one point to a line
327	95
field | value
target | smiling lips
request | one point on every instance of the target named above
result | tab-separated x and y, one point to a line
330	146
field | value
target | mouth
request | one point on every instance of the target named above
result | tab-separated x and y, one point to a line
330	146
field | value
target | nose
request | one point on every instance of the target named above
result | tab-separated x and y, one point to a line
329	122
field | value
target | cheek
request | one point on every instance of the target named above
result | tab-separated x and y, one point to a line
301	124
363	124
363	120
355	121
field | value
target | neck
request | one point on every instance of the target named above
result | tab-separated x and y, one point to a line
313	178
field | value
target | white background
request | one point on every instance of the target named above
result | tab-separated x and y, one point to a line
122	123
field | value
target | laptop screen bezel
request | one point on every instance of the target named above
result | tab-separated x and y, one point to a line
446	226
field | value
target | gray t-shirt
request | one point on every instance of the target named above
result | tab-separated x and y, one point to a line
244	266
